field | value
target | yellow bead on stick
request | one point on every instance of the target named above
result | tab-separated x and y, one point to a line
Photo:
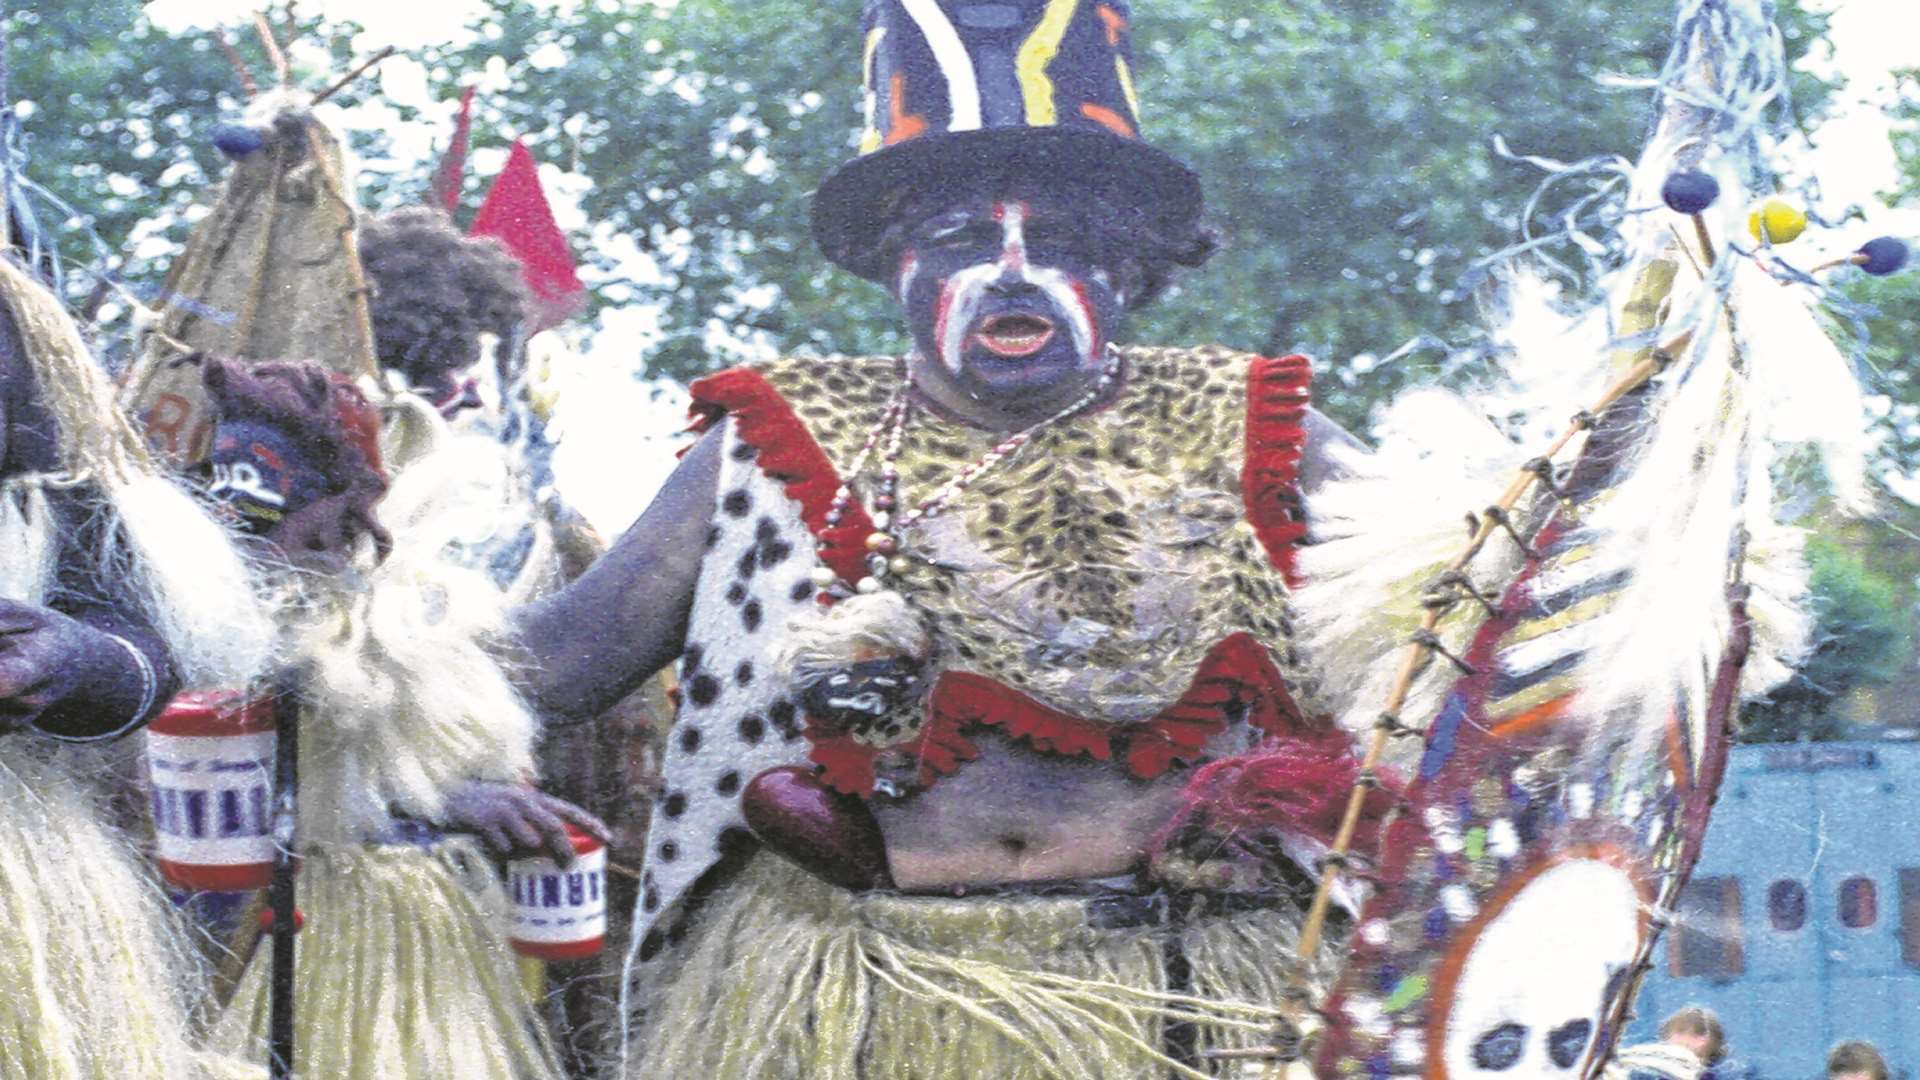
1776	221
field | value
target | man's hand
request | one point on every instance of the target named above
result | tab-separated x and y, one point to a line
516	820
46	659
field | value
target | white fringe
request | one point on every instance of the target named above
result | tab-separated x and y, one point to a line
1766	386
194	584
28	550
410	700
1383	534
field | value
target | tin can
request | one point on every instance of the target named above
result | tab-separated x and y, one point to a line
210	760
560	914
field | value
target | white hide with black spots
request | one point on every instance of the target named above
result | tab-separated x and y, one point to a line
1529	996
738	715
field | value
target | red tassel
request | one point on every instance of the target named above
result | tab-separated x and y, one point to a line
1294	785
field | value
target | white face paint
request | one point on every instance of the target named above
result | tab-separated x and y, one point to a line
233	479
1528	999
967	291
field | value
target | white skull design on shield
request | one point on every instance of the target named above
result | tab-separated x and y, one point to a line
1528	997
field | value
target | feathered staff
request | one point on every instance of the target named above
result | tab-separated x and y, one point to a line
1625	599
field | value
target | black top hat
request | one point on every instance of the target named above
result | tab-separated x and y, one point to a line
1015	90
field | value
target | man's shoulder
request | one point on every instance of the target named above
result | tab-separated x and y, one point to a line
842	380
1218	371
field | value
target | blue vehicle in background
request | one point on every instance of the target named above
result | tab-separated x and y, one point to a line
1801	925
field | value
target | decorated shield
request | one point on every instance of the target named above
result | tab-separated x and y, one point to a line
1518	895
1567	772
271	273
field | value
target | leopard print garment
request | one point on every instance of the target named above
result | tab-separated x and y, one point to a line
1092	571
1096	567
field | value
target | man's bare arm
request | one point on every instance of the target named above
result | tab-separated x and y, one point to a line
592	643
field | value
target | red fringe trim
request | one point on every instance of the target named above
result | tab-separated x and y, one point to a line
1277	396
787	454
1238	671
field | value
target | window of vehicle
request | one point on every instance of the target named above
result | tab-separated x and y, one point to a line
1786	905
1858	904
1707	937
1910	916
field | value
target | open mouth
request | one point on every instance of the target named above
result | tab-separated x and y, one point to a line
1014	335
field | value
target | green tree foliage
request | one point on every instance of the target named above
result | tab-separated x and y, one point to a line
115	117
1346	146
1888	314
1863	603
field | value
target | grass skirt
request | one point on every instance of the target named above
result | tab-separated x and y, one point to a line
787	978
403	972
95	975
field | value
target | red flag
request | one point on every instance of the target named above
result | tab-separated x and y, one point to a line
453	164
516	211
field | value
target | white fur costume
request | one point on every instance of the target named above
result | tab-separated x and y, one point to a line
98	979
404	971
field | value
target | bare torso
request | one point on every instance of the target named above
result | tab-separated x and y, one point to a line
1016	815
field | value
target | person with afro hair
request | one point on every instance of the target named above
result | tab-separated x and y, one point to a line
435	291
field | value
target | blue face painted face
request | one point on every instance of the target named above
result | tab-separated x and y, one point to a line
260	473
1007	299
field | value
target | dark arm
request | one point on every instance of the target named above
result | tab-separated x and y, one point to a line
88	665
592	643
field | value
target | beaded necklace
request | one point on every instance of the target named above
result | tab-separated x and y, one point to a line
884	556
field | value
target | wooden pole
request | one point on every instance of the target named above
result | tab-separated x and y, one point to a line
221	39
280	894
274	55
342	82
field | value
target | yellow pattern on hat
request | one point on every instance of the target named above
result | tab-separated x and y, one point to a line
1035	54
870	139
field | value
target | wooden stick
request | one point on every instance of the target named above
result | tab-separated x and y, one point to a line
1419	654
278	58
341	83
359	299
1856	259
1706	241
221	39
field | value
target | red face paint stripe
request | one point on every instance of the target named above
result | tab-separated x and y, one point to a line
940	311
1094	343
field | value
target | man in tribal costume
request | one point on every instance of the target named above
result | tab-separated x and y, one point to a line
410	736
115	590
996	755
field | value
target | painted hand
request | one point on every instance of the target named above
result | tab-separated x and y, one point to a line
516	820
47	661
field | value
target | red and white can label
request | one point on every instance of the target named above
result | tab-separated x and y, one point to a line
560	914
210	760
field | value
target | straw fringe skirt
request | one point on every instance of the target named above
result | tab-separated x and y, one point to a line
95	975
787	978
403	972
